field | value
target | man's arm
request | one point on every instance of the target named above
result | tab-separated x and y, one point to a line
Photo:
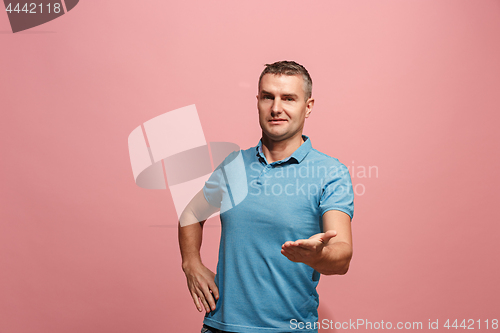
329	252
200	279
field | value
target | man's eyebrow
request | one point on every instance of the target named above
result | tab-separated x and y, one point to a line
263	92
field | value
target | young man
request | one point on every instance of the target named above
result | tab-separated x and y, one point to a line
292	224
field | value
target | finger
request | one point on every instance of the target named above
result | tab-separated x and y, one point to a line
196	301
214	290
289	244
209	299
328	235
288	254
317	236
204	302
307	244
298	248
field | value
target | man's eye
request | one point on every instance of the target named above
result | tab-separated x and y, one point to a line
289	99
267	97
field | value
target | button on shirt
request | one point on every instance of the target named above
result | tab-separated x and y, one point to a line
263	205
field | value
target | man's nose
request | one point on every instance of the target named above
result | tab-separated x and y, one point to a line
277	107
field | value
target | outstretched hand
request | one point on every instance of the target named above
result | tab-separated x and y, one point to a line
307	251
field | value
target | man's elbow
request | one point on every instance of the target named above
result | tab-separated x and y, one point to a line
344	269
339	269
341	265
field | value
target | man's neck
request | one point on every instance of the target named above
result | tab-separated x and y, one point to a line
279	150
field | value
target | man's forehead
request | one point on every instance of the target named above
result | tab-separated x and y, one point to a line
281	81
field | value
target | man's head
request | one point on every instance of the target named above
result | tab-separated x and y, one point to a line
289	68
283	101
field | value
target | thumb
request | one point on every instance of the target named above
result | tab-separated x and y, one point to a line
328	235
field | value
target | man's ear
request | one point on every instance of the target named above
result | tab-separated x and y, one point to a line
309	106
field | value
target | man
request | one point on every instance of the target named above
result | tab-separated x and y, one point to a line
293	223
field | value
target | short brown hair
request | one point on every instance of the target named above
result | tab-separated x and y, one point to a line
289	68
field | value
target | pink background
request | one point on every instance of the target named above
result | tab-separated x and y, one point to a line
410	87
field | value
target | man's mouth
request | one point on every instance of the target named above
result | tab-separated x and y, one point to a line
277	121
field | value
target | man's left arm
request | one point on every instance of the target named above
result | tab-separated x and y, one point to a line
328	252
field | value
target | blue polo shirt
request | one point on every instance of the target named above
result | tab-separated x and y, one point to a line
263	205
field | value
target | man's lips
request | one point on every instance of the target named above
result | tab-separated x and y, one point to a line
277	121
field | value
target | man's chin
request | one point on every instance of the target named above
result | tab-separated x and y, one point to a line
276	137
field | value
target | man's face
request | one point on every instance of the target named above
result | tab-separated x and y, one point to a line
282	106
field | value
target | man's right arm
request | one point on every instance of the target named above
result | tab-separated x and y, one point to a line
200	279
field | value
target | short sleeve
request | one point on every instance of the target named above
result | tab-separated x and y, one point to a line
213	188
227	186
337	193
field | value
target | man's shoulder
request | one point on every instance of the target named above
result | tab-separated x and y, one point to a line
317	156
252	149
238	153
249	152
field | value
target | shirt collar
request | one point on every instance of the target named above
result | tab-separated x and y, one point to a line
298	155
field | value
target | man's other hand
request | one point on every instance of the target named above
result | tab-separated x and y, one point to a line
329	252
202	287
307	251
